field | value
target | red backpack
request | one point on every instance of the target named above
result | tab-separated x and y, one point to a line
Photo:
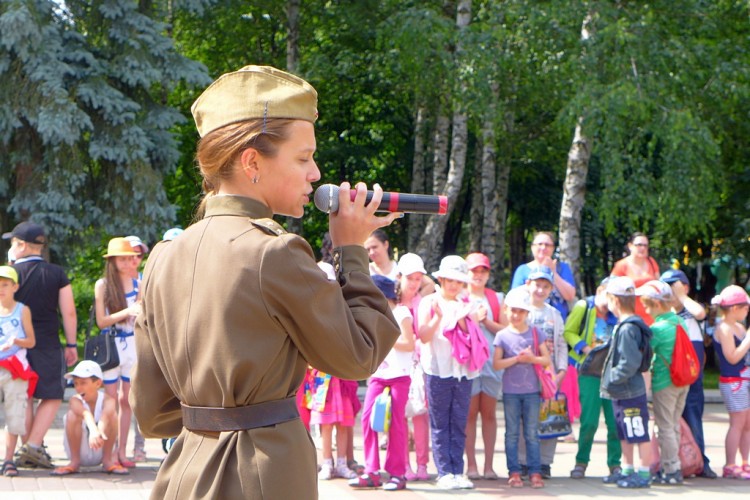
685	367
494	304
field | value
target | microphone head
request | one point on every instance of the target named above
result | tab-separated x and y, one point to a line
327	198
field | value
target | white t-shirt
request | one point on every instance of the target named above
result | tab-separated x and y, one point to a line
437	355
391	275
693	327
396	363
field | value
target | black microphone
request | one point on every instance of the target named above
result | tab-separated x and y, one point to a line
327	200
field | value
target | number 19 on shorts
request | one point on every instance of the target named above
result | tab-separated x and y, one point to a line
634	425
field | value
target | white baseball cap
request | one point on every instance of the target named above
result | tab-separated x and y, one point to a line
518	298
410	263
622	286
86	369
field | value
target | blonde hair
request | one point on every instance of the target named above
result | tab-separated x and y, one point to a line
218	151
659	305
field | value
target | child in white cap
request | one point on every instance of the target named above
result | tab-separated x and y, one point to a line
447	381
17	380
519	347
90	424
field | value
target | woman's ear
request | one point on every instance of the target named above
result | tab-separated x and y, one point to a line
249	162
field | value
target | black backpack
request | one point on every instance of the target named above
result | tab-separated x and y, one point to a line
647	352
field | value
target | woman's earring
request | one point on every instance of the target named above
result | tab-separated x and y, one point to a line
255	179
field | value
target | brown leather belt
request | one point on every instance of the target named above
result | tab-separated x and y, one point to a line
216	419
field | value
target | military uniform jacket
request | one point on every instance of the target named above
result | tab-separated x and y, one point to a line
233	311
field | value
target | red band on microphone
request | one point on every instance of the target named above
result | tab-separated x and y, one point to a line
443	205
393	205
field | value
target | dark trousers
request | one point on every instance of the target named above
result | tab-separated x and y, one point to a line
448	401
693	412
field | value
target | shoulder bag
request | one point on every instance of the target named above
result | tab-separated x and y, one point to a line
548	387
100	348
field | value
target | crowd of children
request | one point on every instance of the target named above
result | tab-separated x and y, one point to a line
463	347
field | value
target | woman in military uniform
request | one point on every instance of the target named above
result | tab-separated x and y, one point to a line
235	308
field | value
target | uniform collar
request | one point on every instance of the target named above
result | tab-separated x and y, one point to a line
237	205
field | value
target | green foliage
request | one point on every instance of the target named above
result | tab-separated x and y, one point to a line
84	127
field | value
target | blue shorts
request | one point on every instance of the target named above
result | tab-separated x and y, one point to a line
488	385
631	418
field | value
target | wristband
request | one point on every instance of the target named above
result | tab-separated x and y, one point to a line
71	345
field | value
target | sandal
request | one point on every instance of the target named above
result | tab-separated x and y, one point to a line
578	472
735	472
9	469
395	483
536	480
490	476
366	481
515	480
473	475
65	470
116	470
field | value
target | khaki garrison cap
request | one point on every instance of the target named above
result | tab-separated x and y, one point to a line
254	92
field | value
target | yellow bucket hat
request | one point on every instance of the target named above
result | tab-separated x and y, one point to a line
254	92
119	247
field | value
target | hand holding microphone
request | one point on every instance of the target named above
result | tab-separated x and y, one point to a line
354	218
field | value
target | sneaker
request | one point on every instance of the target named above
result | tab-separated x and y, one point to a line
410	475
343	471
546	471
615	474
34	457
634	480
671	478
447	482
708	473
463	482
395	483
326	472
422	474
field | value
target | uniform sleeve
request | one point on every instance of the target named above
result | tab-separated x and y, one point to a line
344	328
155	406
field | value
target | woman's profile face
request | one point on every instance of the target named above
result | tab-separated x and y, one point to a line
376	249
639	247
285	181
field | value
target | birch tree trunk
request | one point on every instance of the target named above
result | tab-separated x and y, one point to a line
440	153
417	222
293	225
574	197
476	212
574	188
431	246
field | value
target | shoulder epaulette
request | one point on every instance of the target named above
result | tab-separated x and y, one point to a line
269	225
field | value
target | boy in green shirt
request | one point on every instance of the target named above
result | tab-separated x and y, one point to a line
669	400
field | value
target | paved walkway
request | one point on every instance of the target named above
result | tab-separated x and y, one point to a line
93	484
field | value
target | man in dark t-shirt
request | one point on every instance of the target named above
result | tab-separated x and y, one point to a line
46	290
